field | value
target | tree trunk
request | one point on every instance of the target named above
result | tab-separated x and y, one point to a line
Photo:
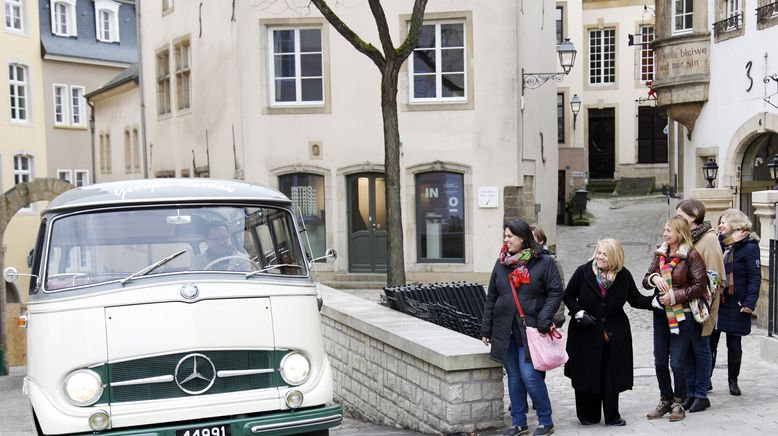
394	246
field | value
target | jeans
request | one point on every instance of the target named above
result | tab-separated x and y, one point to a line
524	379
672	347
698	363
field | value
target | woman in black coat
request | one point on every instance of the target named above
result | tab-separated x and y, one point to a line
539	291
600	341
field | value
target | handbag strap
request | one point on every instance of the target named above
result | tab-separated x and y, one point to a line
552	330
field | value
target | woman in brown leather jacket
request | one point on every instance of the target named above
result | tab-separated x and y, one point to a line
677	274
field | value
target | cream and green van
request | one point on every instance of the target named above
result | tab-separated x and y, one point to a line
175	307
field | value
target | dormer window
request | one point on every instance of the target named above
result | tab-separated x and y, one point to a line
63	18
107	20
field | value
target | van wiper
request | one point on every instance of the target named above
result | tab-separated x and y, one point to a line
268	268
151	267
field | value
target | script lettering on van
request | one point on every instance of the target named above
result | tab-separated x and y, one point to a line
161	185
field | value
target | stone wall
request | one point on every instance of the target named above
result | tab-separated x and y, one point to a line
396	370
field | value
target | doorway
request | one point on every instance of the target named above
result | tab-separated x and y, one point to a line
602	138
754	172
366	212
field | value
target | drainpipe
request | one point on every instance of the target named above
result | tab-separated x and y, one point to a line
140	86
92	138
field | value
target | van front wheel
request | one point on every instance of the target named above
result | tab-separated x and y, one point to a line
324	432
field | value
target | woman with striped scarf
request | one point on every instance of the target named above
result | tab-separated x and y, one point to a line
677	274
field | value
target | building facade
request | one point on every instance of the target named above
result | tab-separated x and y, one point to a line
84	44
275	95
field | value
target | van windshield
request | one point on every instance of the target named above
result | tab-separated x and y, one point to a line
92	247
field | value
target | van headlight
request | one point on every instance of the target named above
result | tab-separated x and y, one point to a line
84	387
295	368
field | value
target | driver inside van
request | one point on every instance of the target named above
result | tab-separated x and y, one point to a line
220	254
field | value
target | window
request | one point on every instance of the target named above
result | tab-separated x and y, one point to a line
182	57
131	151
66	175
136	158
646	53
560	118
22	169
167	6
732	8
602	57
82	177
307	193
682	17
69	105
13	15
17	81
652	141
438	63
440	217
297	72
560	24
63	18
163	82
127	152
107	20
105	153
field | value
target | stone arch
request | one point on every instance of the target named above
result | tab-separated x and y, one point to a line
20	196
741	139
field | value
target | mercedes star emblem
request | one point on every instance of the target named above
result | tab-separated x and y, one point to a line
189	291
195	373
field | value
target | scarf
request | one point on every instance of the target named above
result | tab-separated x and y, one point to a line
674	313
700	230
520	275
729	260
604	279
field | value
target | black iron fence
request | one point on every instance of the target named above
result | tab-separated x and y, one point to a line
772	295
456	306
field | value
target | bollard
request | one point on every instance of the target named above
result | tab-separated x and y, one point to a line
581	196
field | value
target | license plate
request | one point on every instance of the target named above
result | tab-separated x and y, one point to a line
211	430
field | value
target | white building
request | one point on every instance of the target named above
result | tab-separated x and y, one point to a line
273	94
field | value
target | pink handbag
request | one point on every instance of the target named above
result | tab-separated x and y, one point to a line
546	350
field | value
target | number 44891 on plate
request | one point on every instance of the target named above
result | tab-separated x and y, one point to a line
214	430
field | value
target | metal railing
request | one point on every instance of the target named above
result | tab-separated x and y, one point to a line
730	23
772	294
767	11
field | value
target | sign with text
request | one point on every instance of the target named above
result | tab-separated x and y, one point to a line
682	59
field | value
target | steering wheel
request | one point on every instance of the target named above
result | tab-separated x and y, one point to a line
242	259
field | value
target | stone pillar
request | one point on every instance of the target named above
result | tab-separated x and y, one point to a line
716	201
764	209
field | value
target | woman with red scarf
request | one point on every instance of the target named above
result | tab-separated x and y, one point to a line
524	269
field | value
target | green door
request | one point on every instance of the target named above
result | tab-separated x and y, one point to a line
366	212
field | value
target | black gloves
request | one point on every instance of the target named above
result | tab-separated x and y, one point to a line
545	330
587	320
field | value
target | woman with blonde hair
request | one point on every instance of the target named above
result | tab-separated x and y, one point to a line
738	298
677	274
600	342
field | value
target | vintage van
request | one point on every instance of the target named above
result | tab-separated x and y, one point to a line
175	307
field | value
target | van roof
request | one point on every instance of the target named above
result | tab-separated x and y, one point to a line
148	191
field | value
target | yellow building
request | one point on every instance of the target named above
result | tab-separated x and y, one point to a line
22	146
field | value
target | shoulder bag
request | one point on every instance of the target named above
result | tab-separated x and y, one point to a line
546	351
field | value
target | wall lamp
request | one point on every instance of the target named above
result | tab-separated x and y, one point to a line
566	52
773	165
709	170
575	107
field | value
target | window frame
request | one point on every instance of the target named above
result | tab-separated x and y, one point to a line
85	177
438	73
63	117
164	87
603	35
560	22
68	17
70	111
183	73
646	53
18	173
8	7
420	220
688	10
67	173
561	134
298	77
19	104
77	109
167	6
111	8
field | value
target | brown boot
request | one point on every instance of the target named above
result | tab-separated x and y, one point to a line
661	409
676	411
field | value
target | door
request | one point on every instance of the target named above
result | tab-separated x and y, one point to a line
561	195
602	154
367	222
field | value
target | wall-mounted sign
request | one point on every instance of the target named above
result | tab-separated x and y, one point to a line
488	197
682	59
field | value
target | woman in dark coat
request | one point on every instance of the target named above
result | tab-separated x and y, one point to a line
600	342
738	298
539	290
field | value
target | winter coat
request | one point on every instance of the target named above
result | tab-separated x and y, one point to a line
539	300
584	345
710	250
690	278
747	274
559	315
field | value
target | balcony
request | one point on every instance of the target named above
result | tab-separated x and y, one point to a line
767	15
729	24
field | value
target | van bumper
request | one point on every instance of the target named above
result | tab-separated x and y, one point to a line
272	424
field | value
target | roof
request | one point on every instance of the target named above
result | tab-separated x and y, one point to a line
86	45
167	191
129	74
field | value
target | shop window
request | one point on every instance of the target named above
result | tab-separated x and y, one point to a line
440	217
307	193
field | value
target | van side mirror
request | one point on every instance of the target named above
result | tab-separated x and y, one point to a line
11	274
329	255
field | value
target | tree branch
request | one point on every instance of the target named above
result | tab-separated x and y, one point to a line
363	47
383	28
412	39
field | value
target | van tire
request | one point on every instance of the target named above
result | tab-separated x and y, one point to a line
324	432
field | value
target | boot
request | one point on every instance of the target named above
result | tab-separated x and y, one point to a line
661	409
733	369
712	366
676	410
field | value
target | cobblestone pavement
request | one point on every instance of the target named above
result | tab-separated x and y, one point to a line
637	223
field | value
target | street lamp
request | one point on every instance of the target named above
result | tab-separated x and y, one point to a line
709	171
773	165
566	52
575	107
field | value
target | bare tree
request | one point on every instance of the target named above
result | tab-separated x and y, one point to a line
388	62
